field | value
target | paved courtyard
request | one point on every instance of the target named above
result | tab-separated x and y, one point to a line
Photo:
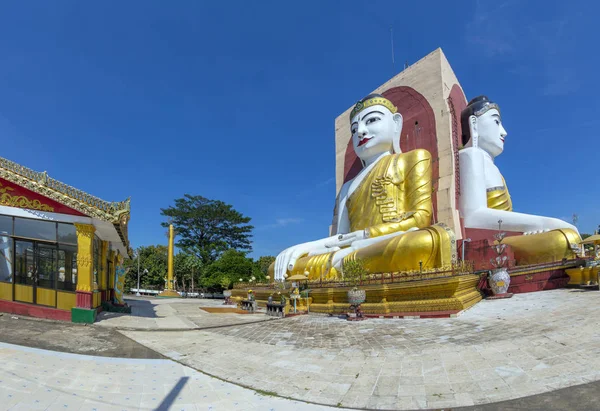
498	350
35	379
173	314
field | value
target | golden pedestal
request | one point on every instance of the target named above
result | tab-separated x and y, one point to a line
443	296
583	276
448	295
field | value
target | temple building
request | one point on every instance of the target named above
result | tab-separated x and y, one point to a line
59	246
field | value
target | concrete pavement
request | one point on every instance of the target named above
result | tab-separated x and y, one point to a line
499	350
34	379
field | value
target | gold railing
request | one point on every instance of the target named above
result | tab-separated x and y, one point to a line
43	179
460	268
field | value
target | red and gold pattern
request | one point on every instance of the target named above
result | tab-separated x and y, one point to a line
10	200
13	195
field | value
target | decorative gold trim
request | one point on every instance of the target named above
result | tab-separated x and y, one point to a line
375	101
42	180
10	200
86	230
116	213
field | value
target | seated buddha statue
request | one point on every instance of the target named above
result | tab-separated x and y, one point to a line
484	197
384	213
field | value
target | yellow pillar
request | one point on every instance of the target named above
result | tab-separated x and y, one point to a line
85	264
169	292
170	261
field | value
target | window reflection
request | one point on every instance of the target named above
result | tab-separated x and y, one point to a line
97	259
6	224
67	268
24	267
6	259
38	229
46	266
67	233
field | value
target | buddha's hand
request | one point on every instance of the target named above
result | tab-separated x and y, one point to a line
342	240
287	258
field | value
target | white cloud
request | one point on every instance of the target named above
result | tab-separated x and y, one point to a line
282	222
316	186
493	39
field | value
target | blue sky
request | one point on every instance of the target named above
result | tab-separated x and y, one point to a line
236	100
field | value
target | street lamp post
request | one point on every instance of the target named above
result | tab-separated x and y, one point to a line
138	282
138	285
466	240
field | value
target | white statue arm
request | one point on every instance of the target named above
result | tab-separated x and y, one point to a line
473	201
287	258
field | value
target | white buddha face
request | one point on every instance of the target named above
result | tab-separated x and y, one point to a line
374	130
491	133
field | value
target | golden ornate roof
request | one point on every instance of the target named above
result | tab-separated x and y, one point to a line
117	213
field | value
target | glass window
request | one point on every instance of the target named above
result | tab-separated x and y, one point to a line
6	260
24	264
67	233
39	229
6	224
97	259
67	268
46	266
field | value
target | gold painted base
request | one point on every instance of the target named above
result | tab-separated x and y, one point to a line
455	293
583	276
169	294
441	294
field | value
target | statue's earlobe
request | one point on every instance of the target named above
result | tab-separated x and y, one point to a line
473	141
397	133
398	121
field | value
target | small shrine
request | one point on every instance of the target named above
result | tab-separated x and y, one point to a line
62	250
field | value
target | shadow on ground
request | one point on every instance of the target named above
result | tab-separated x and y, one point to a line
578	397
139	308
71	338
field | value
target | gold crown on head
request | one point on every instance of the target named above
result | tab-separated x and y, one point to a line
372	100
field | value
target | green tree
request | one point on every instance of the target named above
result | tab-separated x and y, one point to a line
152	258
207	228
232	265
187	269
263	264
354	272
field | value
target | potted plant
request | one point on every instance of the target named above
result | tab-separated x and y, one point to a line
281	298
354	273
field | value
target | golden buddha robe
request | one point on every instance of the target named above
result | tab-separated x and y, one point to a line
539	248
395	196
498	198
